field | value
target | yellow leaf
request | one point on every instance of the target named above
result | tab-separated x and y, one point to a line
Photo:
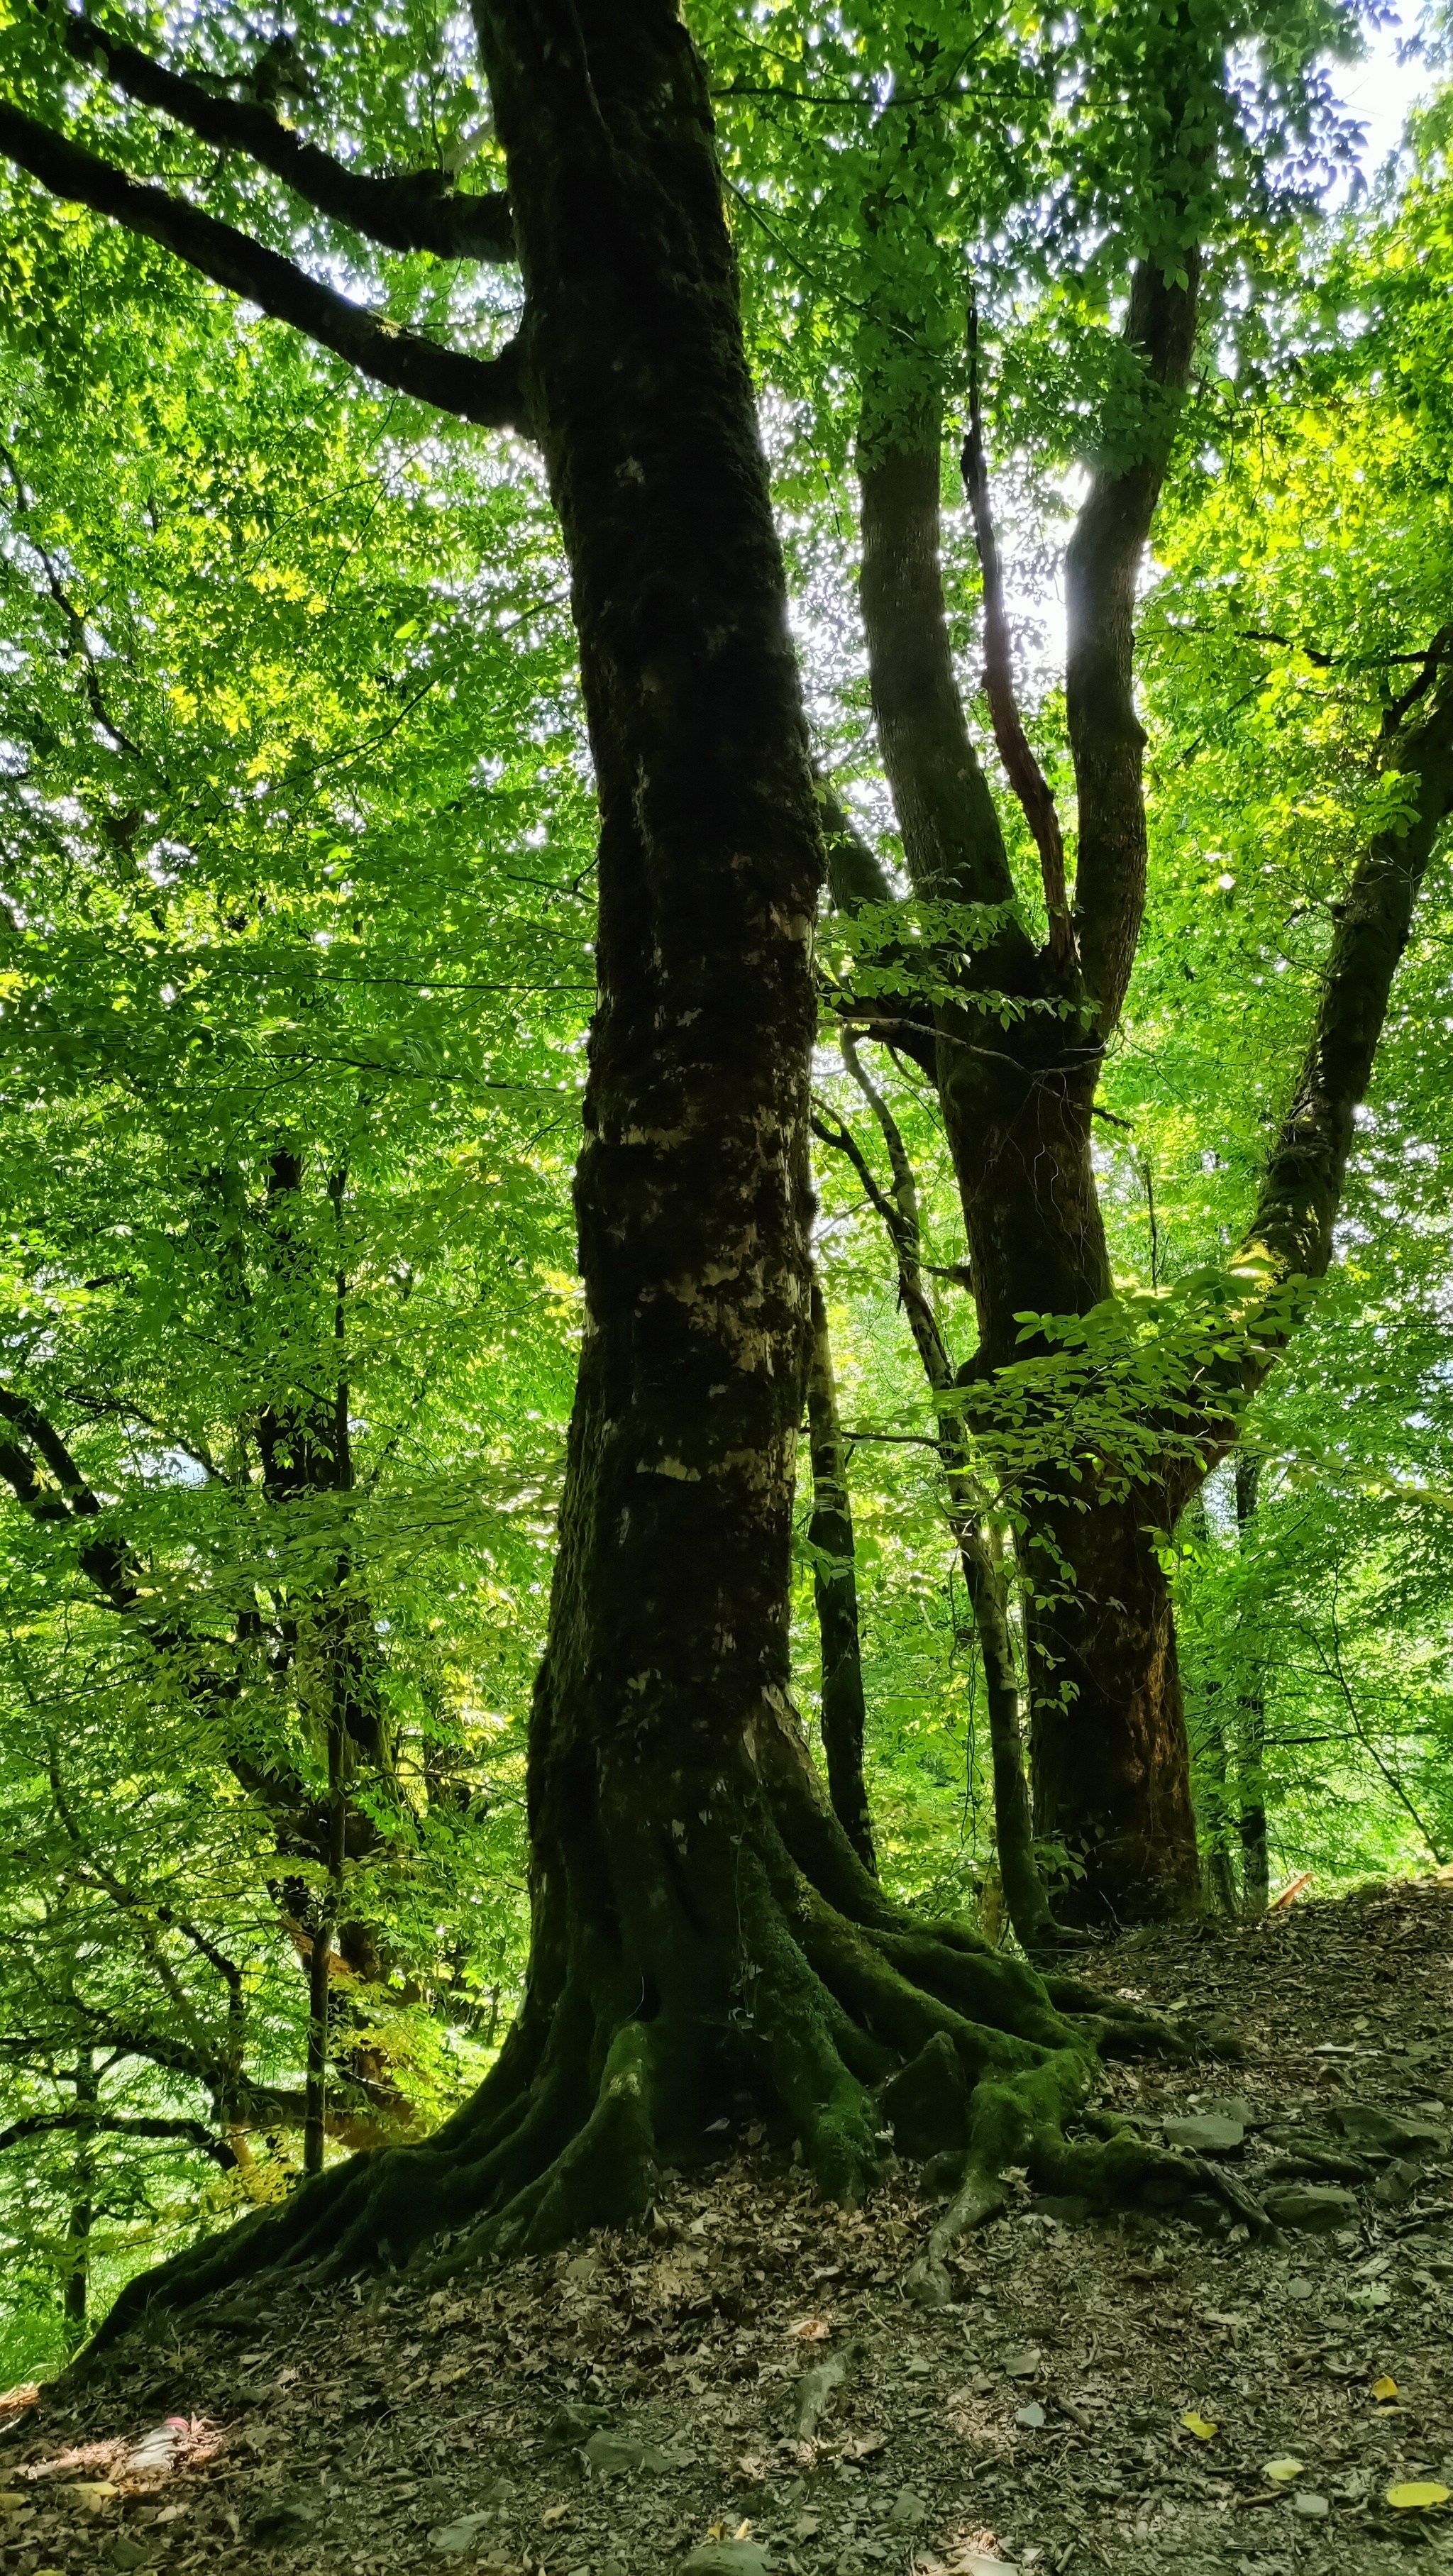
1282	2470
555	2513
1418	2494
1198	2425
1384	2387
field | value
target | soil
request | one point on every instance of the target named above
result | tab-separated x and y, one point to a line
743	2382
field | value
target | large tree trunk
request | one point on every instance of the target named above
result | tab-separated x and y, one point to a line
704	1936
1108	1746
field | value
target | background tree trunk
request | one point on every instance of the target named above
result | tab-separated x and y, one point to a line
1108	1751
1251	1726
835	1589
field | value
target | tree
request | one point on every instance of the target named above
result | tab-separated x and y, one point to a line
701	1923
1030	979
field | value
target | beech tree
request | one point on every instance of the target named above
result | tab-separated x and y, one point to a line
703	1927
1032	867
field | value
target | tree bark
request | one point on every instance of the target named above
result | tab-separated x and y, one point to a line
1109	1758
703	1932
1251	1726
1025	1896
83	2213
835	1590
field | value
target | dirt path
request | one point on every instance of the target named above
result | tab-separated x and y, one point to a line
744	2384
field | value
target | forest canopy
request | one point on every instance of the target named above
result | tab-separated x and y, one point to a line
416	444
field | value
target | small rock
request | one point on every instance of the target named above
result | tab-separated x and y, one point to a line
1397	2184
1225	2106
1022	2364
907	2510
1031	2417
728	2558
1313	2508
1368	2125
572	2424
456	2539
609	2453
1313	2207
1205	2135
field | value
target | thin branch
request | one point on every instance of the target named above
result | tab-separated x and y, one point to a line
1020	766
487	391
79	641
409	211
115	2124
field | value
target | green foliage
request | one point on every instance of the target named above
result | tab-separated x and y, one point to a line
295	967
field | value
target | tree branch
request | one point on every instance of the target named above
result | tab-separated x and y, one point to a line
1020	766
116	2124
1102	567
69	1500
488	391
411	211
951	836
1302	1189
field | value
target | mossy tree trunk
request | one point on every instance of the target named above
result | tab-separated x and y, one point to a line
704	1934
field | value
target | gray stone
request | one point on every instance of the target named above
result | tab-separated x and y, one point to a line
1205	2134
1225	2106
456	2539
1031	2416
609	2453
572	2424
1395	2132
1312	2508
728	2558
1069	2207
907	2510
1315	2208
1022	2364
815	2392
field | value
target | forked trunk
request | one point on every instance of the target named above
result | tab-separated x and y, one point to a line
1107	1735
704	1936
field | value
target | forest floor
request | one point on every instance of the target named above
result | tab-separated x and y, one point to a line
1101	2394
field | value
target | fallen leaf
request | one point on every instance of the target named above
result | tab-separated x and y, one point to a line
94	2495
1418	2495
1031	2417
1198	2425
1283	2471
1384	2387
811	2330
555	2513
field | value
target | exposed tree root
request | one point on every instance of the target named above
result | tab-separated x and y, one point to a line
773	1973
